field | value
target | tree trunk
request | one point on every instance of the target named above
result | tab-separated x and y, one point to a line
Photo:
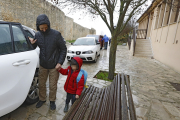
112	57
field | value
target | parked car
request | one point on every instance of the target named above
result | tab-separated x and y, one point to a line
87	48
18	65
98	38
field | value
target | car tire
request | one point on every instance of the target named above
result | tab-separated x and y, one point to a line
33	94
95	58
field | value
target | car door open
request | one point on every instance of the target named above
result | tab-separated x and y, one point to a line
17	66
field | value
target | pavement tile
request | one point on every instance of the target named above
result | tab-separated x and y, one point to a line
43	118
141	112
171	109
158	112
57	117
97	85
61	110
43	110
34	116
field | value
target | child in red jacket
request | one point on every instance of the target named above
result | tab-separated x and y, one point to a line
71	87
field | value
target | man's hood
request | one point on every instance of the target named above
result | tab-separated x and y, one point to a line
79	61
42	19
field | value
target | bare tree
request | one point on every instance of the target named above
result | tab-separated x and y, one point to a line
108	10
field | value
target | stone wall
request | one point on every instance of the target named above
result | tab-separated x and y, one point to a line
26	12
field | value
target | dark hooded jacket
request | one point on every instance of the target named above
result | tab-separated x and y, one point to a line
51	44
71	85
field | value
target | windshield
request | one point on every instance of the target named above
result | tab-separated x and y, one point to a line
84	41
96	36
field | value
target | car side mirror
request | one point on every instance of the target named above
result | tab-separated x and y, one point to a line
98	43
71	43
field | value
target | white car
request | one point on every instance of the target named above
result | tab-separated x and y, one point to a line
18	62
87	48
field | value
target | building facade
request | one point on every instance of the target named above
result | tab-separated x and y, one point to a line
161	23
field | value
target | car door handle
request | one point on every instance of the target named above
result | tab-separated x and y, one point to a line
21	62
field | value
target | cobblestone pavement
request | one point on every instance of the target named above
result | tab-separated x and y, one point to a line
154	97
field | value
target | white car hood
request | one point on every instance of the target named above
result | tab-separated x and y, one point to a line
81	47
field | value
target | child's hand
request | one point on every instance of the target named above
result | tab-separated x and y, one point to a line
77	96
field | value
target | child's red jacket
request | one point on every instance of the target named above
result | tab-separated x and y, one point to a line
71	85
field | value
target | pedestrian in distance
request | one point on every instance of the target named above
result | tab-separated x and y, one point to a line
101	41
109	41
106	39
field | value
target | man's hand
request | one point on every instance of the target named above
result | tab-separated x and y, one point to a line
32	40
77	96
58	67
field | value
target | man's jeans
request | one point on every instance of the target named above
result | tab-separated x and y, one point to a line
105	45
53	79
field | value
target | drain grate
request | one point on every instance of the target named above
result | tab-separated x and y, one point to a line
175	85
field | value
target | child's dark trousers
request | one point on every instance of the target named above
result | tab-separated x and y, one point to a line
70	97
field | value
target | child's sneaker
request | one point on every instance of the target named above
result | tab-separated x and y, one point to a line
66	107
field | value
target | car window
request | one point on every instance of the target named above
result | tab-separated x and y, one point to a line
20	42
84	41
5	40
96	36
29	34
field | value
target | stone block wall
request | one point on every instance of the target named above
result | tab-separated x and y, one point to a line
26	12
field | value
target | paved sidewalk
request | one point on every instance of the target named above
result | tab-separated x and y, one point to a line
154	97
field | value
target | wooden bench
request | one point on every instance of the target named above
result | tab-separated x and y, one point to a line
111	103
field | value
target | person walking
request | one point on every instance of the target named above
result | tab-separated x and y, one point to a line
106	39
109	41
101	41
52	55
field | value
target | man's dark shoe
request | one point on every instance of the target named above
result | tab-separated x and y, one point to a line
52	105
66	107
39	104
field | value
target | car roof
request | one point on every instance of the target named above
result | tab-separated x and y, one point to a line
27	27
86	37
6	22
92	35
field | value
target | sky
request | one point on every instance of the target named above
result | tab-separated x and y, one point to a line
88	22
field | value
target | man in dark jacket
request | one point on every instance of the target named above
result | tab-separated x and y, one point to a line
52	55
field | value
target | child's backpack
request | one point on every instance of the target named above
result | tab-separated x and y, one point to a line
82	72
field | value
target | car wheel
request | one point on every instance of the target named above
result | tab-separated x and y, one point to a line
95	58
33	95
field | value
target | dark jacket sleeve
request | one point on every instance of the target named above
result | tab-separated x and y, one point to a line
62	48
80	86
35	44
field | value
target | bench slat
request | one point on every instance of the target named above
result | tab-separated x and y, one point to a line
118	104
130	100
124	100
94	103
